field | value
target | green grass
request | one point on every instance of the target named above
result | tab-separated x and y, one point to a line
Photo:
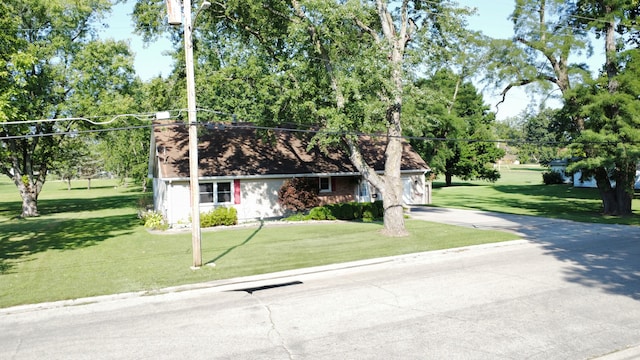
90	242
520	191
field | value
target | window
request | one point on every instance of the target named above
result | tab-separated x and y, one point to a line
223	192
216	193
325	184
206	193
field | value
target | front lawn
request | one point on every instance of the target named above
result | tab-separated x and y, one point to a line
90	242
520	191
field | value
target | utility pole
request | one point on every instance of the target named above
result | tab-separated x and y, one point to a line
173	9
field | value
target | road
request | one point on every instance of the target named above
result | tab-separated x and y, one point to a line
566	291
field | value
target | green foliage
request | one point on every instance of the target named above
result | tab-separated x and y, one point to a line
296	217
299	194
348	211
609	147
221	216
372	211
453	112
367	212
337	66
552	178
320	213
153	220
540	131
546	36
52	66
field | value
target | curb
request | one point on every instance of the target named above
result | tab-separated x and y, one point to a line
629	353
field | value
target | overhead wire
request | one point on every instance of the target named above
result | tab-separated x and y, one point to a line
237	122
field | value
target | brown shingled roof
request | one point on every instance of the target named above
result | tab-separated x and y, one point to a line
236	150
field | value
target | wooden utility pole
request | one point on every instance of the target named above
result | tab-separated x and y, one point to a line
173	10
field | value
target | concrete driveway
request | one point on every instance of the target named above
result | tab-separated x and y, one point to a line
606	256
566	291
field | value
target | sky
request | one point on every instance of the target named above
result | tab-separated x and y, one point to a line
492	19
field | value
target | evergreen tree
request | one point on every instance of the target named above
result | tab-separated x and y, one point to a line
461	126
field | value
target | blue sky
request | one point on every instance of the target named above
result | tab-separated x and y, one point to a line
492	19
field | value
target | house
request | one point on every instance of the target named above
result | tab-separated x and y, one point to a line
243	167
578	180
560	166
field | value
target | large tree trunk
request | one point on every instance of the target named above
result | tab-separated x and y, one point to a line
448	179
624	188
392	196
616	201
607	192
29	195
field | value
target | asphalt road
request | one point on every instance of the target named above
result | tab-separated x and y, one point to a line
566	291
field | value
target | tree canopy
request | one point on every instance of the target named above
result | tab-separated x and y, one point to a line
450	113
53	67
339	66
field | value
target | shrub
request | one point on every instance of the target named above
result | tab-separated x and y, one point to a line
372	211
153	220
219	217
296	217
355	210
552	177
320	213
299	194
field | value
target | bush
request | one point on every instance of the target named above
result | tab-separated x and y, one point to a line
219	217
299	194
372	211
153	220
343	211
355	210
320	213
297	217
552	177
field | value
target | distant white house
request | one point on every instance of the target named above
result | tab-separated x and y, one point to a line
560	166
244	168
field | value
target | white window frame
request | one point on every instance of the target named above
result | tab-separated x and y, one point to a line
213	195
326	189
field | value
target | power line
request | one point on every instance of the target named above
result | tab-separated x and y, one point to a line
86	119
240	124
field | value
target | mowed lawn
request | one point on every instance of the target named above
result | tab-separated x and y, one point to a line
520	190
90	242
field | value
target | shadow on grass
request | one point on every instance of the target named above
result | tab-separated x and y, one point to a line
438	185
13	209
226	252
552	201
57	206
22	238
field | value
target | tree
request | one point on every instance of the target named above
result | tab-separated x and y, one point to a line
461	125
53	68
553	30
340	65
299	194
125	153
68	162
540	136
545	37
610	144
